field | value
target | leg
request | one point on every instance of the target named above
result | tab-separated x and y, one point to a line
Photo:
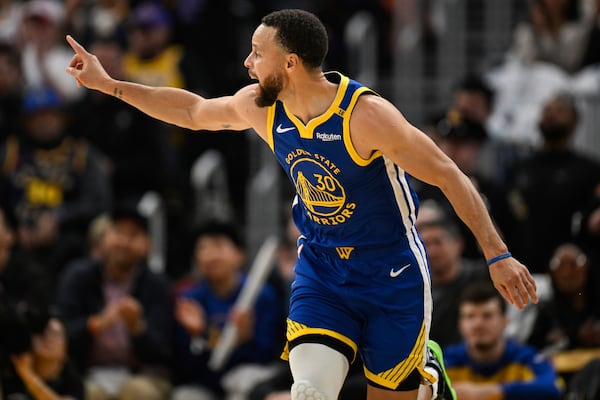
94	392
144	387
374	393
318	371
192	392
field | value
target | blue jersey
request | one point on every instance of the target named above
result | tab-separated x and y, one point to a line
361	276
521	371
343	201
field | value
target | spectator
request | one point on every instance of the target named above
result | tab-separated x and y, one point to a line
11	87
474	99
549	187
43	371
462	140
488	366
204	309
118	315
571	317
21	280
154	59
450	274
11	15
131	141
556	34
51	183
44	55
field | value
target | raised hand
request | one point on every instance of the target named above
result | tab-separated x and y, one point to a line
86	68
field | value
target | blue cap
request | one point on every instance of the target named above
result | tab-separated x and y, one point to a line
41	99
150	15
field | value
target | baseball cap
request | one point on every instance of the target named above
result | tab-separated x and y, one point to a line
41	99
150	15
47	10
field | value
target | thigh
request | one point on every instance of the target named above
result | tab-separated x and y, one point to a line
393	342
145	387
319	315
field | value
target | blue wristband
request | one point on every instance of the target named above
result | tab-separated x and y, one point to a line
498	258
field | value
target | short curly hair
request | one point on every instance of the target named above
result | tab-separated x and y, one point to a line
300	32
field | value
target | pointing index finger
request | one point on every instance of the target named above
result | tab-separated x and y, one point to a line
79	49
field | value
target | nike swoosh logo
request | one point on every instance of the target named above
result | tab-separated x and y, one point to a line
281	129
394	274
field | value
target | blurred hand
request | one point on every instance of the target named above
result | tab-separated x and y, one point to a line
191	316
244	322
105	319
589	333
477	391
46	229
131	312
593	224
23	362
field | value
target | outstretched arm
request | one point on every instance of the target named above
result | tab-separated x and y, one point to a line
413	151
173	105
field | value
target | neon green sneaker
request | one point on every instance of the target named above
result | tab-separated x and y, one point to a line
435	360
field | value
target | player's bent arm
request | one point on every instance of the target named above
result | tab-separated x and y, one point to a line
378	125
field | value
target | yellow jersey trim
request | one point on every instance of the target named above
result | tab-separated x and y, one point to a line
392	377
270	121
347	139
296	330
306	131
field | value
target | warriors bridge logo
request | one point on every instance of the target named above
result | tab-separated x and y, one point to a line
319	189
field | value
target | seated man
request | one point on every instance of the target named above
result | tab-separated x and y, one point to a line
486	365
118	315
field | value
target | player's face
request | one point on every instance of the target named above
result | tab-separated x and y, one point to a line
266	64
482	325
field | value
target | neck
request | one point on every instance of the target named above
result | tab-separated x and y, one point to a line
117	273
223	288
577	300
556	146
488	355
446	275
309	96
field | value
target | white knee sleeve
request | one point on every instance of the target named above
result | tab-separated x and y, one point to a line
319	372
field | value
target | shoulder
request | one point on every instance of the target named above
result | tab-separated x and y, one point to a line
455	354
244	103
523	353
370	105
195	292
80	272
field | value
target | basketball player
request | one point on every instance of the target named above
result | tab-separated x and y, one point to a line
362	281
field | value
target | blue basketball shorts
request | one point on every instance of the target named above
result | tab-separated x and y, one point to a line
375	304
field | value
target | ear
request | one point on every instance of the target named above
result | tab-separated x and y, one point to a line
292	62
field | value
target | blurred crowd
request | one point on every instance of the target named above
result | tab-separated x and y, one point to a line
84	315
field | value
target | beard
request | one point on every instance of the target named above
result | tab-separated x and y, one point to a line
554	131
484	346
269	90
